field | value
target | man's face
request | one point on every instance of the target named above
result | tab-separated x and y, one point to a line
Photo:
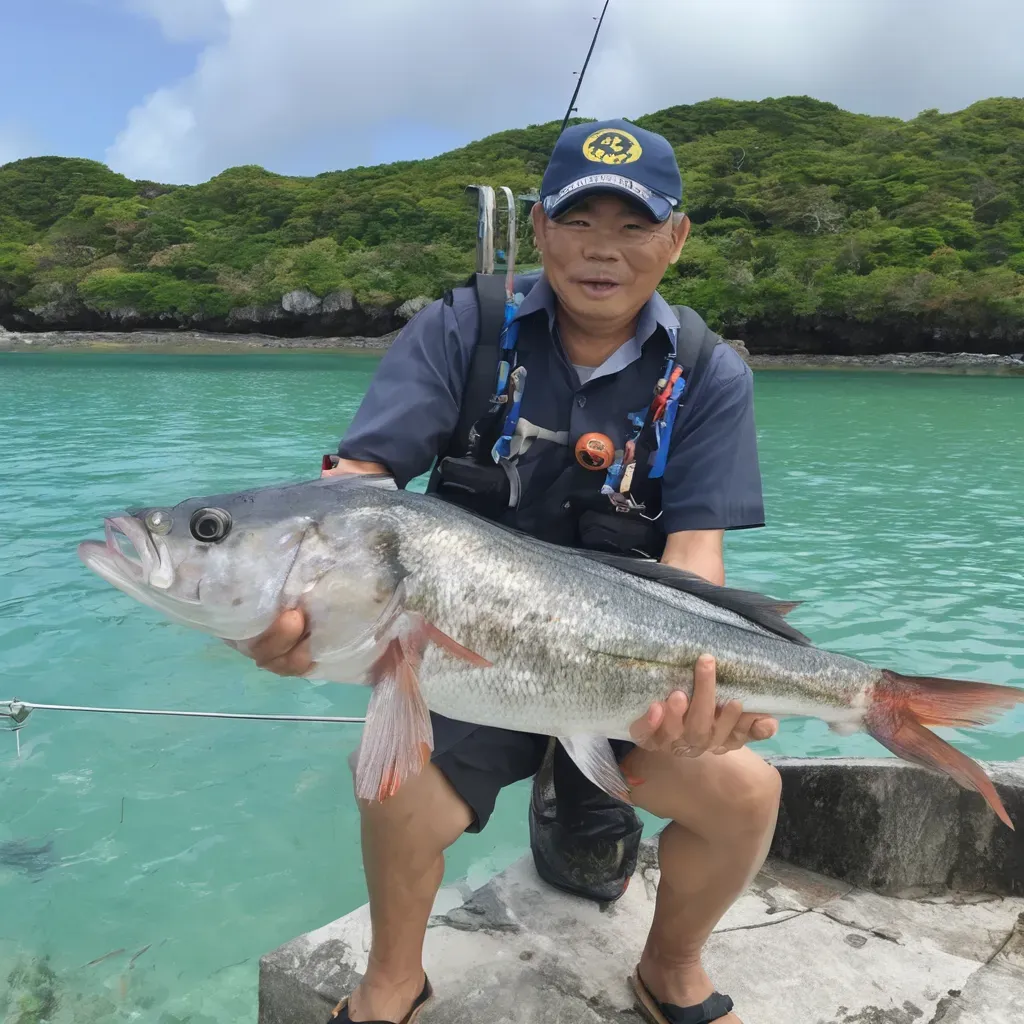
605	258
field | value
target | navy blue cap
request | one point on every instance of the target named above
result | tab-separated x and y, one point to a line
616	157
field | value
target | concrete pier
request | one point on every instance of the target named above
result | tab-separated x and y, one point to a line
891	897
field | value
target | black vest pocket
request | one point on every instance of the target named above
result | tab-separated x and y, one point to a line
480	487
625	533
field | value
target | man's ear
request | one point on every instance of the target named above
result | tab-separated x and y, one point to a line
680	232
539	219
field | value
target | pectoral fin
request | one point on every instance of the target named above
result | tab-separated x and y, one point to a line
398	738
445	642
594	757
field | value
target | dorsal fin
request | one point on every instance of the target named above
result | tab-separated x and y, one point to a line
765	612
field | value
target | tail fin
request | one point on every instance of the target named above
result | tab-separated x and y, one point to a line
901	706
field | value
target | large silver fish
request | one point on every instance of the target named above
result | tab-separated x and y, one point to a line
438	609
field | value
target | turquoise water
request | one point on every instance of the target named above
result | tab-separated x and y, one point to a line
895	514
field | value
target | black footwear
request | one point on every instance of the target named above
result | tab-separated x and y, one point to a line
713	1008
340	1014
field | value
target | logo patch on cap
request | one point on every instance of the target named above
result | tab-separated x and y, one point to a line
611	147
615	181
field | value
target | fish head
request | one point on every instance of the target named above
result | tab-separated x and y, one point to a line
218	564
228	564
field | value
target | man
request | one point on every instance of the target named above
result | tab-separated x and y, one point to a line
593	337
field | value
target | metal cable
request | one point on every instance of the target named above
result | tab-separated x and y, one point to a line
19	710
13	709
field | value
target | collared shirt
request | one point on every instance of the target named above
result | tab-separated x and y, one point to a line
712	478
656	312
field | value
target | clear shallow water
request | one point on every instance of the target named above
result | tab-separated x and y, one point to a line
895	513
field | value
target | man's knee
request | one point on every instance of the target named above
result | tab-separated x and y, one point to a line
754	795
425	805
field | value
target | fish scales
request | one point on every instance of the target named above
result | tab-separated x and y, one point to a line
435	608
590	649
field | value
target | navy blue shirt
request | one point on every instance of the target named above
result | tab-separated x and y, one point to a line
711	480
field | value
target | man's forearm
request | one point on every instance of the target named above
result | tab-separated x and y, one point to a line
699	552
343	466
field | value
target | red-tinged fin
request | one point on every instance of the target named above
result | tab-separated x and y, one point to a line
948	701
445	642
901	707
398	738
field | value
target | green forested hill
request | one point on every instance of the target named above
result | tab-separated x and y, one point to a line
801	211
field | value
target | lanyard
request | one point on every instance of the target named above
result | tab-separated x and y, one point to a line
658	418
511	377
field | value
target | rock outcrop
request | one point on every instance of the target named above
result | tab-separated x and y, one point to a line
338	314
407	310
300	313
836	337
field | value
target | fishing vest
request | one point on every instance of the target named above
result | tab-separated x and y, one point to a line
544	490
582	841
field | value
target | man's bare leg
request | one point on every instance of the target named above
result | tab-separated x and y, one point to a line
404	839
723	810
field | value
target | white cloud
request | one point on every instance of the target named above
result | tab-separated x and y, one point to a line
187	20
326	77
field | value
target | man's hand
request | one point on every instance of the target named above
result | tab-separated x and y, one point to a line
346	467
283	647
690	727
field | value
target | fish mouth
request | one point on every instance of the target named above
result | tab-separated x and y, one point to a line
128	558
140	566
129	546
124	555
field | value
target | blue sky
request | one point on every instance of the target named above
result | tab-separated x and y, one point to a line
70	70
178	90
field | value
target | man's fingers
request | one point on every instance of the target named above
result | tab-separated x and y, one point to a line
725	723
749	729
677	710
643	729
284	633
700	718
756	727
297	662
764	729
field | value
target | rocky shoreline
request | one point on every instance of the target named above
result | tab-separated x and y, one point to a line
206	342
181	342
968	363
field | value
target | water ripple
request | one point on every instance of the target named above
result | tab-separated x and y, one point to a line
894	507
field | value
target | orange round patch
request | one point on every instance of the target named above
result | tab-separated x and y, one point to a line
595	451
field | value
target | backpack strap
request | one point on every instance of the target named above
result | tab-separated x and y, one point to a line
694	347
479	387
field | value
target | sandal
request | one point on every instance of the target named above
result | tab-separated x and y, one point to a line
340	1013
714	1007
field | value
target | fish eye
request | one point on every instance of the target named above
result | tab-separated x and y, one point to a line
210	525
158	521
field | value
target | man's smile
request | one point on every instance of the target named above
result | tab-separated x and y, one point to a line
598	287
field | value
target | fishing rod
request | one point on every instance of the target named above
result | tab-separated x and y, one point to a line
18	712
579	81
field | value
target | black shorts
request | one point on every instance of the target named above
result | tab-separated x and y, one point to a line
480	760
